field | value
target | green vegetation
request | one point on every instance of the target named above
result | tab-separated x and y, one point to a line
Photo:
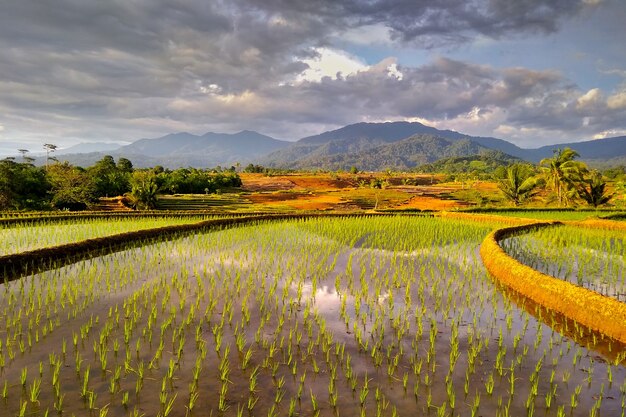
548	214
568	181
14	239
519	183
477	166
24	186
595	259
223	202
562	173
329	316
592	189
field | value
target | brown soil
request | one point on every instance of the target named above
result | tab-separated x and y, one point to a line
432	203
338	191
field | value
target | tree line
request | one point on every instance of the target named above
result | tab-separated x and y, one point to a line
565	180
24	186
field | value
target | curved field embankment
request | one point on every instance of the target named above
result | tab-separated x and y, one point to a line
600	313
14	266
22	221
486	218
19	264
599	224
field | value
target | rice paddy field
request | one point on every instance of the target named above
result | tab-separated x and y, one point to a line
560	215
592	258
353	316
15	238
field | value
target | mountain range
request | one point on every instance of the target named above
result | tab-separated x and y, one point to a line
187	150
404	145
368	146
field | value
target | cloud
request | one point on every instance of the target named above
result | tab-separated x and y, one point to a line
80	70
617	101
589	100
431	22
330	63
521	104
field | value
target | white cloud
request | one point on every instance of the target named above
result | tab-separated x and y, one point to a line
393	71
330	63
480	121
589	99
617	101
610	133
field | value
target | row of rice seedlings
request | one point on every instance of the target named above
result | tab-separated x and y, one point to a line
50	233
592	258
562	215
282	319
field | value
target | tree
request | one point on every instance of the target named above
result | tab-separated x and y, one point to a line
144	189
562	172
108	178
124	165
518	183
254	169
22	186
72	188
592	189
25	158
49	147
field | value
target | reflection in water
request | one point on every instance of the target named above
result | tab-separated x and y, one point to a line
272	316
612	350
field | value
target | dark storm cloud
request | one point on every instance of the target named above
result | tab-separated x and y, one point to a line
75	67
234	44
435	22
146	47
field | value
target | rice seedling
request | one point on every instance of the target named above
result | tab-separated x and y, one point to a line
592	258
354	312
49	232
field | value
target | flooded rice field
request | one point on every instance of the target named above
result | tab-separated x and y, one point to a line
591	258
351	317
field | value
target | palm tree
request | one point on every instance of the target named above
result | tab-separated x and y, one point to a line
144	190
562	172
49	147
519	183
592	189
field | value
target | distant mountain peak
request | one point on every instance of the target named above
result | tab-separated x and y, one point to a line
377	145
208	150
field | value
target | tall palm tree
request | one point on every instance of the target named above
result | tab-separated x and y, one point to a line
519	183
562	172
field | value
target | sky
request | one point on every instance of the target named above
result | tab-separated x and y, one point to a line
534	72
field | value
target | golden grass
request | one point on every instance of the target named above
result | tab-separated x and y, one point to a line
431	203
296	201
603	314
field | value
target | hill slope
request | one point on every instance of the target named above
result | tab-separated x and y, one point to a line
370	146
215	147
185	149
399	155
364	136
597	149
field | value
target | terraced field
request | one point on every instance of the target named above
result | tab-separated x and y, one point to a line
361	315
